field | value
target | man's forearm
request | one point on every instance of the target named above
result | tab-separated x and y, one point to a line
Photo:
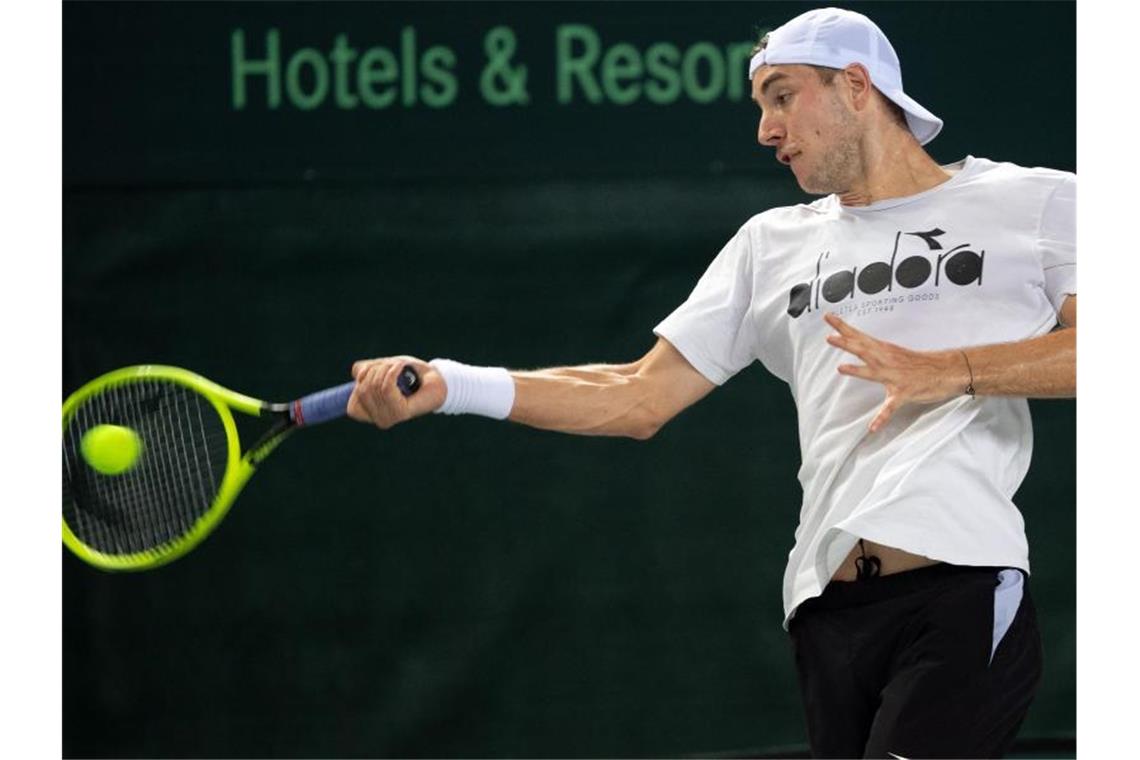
1041	367
595	399
633	400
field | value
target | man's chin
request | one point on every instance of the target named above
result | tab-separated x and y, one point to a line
811	188
806	184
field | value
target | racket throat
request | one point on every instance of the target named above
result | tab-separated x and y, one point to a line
265	445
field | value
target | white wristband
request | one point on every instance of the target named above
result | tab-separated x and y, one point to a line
489	391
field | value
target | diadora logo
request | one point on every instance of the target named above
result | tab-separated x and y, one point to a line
960	265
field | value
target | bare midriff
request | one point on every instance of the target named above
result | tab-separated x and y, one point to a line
891	561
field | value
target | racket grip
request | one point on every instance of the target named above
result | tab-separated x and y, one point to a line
332	403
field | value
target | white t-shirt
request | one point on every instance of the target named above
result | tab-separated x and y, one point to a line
986	257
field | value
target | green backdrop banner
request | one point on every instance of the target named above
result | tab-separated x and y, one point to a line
223	92
266	192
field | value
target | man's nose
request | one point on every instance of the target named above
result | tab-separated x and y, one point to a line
770	131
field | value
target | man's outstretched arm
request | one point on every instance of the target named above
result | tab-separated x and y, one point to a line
632	400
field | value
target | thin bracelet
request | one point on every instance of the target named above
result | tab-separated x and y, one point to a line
970	387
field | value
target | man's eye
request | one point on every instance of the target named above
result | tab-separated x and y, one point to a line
782	98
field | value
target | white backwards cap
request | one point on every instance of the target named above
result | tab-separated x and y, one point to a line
834	38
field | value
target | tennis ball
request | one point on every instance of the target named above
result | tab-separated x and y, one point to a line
111	449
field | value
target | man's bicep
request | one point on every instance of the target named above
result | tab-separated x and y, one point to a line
674	383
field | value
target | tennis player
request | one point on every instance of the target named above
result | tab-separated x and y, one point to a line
912	309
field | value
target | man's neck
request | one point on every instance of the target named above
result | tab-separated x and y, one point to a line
896	169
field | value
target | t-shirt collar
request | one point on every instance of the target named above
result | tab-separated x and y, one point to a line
958	170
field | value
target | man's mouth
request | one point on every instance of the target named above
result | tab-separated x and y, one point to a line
786	157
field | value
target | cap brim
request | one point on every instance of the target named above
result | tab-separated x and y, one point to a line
924	125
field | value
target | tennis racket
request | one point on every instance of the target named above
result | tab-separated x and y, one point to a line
179	461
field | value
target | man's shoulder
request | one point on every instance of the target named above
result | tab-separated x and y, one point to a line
1007	172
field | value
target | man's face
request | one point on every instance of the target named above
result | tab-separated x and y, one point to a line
810	126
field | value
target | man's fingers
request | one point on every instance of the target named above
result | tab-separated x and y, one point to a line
857	370
377	397
360	405
361	365
844	329
365	400
857	347
388	390
841	342
355	408
884	414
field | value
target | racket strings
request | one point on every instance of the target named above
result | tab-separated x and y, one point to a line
172	485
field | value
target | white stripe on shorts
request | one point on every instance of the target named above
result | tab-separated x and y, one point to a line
1007	598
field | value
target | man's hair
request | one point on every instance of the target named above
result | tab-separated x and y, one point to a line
827	74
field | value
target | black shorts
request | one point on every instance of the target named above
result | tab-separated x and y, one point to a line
942	661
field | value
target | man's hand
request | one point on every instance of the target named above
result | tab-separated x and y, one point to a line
378	400
909	376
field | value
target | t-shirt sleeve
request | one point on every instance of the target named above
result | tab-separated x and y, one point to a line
712	329
1057	242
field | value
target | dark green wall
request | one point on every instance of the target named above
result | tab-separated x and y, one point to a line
461	587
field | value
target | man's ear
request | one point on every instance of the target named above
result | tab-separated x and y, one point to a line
858	83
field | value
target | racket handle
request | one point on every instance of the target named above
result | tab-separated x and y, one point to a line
332	403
